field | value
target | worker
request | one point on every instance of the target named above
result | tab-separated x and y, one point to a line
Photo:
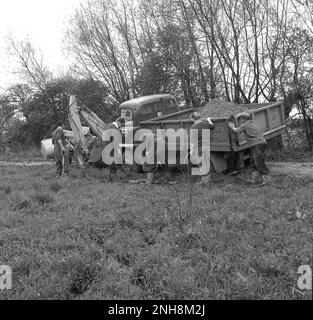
197	143
151	165
255	138
61	152
117	124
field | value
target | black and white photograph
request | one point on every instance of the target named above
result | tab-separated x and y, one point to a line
156	150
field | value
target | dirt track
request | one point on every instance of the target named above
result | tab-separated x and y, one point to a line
297	169
24	163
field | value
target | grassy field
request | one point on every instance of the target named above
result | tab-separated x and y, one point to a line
89	238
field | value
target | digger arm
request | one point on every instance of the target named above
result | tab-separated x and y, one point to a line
75	111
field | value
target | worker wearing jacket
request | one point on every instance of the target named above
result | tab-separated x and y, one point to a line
197	143
151	165
106	139
61	153
254	137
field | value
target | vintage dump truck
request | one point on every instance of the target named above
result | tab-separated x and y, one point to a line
229	150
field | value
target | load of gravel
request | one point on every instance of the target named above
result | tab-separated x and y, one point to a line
219	109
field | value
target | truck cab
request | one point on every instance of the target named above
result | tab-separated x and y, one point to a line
147	107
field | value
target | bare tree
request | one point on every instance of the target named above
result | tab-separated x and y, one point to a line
94	42
196	49
304	11
31	66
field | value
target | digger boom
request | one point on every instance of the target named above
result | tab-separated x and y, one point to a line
80	110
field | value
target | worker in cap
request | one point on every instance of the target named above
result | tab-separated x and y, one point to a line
151	165
108	138
197	143
255	138
243	115
61	152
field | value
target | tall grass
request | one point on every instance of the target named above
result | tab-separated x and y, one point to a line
114	240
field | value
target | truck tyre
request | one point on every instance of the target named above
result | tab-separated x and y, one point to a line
131	168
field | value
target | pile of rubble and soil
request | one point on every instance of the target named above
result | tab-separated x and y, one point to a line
219	108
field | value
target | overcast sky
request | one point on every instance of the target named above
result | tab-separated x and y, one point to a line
43	21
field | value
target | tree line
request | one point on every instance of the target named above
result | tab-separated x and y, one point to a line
245	51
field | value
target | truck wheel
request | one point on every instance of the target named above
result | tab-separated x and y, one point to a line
131	168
